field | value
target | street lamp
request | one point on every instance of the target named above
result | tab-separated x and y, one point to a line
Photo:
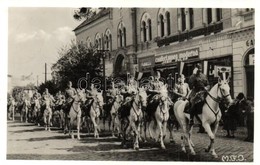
103	54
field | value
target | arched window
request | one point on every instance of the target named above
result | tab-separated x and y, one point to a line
209	14
88	42
121	35
191	15
120	38
146	28
150	29
183	18
108	40
144	31
168	21
161	25
124	35
98	41
219	14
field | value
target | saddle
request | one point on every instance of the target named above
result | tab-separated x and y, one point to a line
198	107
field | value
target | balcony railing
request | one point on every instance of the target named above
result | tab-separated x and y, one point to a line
212	28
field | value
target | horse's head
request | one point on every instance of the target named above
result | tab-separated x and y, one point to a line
141	96
80	96
164	98
98	97
224	90
119	98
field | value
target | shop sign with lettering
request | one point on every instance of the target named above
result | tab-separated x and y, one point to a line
146	63
250	42
177	56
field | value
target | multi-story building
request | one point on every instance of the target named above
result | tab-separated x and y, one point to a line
144	38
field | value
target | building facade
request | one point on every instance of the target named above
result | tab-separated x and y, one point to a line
174	40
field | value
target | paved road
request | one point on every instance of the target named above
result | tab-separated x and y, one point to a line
27	141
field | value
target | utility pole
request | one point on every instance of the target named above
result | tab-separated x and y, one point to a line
45	72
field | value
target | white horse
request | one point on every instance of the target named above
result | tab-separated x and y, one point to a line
47	113
36	111
135	117
210	116
95	110
161	115
114	114
75	113
25	110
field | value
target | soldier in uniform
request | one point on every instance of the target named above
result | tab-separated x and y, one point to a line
199	85
181	89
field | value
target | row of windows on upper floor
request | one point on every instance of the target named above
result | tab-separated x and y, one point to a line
185	22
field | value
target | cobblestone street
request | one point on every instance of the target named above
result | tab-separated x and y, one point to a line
27	141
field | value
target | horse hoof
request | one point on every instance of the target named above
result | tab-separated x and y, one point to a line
206	150
215	156
172	141
193	153
136	148
163	147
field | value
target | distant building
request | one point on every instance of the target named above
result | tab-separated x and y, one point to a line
145	38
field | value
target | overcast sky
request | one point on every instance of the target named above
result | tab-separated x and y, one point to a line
34	37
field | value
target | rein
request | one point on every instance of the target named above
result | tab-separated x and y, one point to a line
218	99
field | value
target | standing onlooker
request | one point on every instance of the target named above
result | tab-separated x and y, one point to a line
232	115
249	111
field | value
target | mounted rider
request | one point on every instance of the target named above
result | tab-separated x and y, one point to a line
181	89
70	94
130	90
199	85
155	85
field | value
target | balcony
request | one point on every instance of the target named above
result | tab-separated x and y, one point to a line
212	28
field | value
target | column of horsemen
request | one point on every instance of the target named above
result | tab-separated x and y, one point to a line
121	99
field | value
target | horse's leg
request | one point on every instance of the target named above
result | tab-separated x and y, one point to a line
159	123
95	125
211	136
71	124
213	152
78	125
45	120
49	121
113	124
150	125
98	127
133	126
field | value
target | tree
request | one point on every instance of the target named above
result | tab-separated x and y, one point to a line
74	62
50	85
84	13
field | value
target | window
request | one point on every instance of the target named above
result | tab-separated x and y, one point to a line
98	43
124	36
108	40
191	18
168	21
219	14
150	29
183	18
121	35
162	25
146	28
209	14
144	31
120	38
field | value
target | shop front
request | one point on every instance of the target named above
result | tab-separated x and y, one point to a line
249	65
146	65
174	63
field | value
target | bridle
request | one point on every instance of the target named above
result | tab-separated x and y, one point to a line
218	100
